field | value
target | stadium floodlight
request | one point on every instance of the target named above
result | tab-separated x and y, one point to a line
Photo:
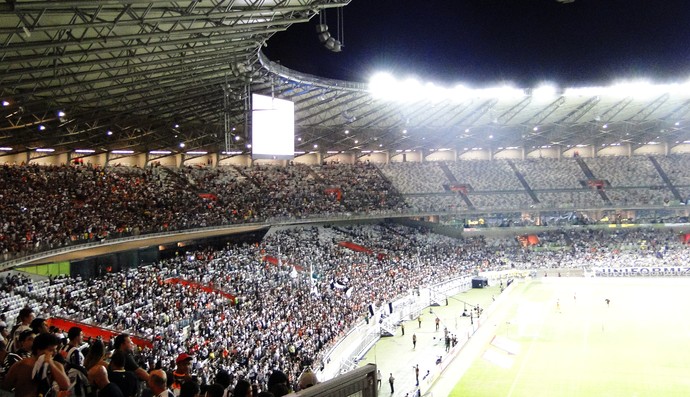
323	37
5	103
197	152
333	45
160	152
45	150
84	151
545	92
584	91
636	89
505	92
119	151
435	93
460	93
232	152
381	84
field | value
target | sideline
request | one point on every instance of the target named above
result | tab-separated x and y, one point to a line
496	315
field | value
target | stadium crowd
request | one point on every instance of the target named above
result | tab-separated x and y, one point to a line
285	314
47	207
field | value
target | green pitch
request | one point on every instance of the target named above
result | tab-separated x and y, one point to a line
558	337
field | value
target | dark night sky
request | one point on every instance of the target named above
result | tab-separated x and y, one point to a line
480	42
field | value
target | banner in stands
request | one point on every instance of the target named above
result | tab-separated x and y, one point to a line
527	240
685	238
642	271
355	247
596	183
93	331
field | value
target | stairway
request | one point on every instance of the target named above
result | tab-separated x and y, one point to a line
523	181
314	174
249	178
590	176
453	180
666	179
448	173
585	168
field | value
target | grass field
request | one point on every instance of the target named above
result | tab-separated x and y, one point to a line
558	337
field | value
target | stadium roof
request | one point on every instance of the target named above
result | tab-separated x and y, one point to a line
149	75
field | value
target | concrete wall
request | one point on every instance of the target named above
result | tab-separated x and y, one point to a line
446	155
341	158
166	161
13	158
314	158
240	161
205	160
657	150
479	154
411	156
95	159
134	160
622	150
49	160
552	152
680	148
308	158
586	151
513	154
379	158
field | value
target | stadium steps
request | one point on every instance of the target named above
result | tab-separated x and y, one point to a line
393	189
453	180
318	178
523	181
447	172
247	176
590	176
666	179
172	180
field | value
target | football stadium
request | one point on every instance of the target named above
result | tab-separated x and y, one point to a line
183	215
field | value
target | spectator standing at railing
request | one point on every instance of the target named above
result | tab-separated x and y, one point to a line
24	319
125	380
71	351
123	342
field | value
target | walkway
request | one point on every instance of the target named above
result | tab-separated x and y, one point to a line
397	355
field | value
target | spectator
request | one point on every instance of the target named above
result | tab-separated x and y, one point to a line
125	380
124	343
19	378
71	352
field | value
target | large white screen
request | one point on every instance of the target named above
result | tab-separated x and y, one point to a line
273	128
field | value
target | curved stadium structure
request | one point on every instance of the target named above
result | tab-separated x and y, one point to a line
125	141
